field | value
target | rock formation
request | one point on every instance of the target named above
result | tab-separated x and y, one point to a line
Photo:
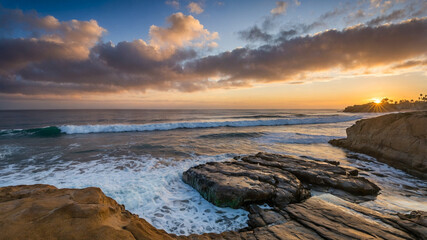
397	139
284	183
270	178
45	212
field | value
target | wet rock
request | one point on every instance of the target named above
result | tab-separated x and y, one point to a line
331	221
270	178
293	231
235	184
379	174
397	139
259	217
316	173
45	212
255	221
415	222
336	163
353	172
264	233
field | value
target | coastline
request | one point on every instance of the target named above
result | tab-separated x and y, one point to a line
287	187
44	211
398	139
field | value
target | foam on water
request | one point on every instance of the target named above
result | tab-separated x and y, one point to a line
73	129
400	191
8	150
150	187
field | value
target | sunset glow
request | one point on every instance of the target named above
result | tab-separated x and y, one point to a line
210	55
213	119
377	100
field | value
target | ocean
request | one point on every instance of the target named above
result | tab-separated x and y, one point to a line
137	157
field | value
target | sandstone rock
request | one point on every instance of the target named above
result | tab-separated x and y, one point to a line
396	139
45	212
336	222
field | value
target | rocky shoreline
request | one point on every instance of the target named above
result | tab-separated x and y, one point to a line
283	182
399	140
281	194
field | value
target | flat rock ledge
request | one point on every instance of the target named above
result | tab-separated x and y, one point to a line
399	140
284	183
270	178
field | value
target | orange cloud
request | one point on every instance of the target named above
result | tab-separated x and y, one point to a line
183	31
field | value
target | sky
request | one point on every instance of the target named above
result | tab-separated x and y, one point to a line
178	54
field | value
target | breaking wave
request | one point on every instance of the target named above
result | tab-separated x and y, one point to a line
54	131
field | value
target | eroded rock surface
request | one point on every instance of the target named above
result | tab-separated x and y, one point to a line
283	182
45	212
351	221
234	184
397	139
276	179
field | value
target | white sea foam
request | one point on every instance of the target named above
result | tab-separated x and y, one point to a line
150	187
73	129
8	150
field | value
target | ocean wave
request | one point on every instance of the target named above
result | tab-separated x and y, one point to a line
51	131
54	131
74	129
147	186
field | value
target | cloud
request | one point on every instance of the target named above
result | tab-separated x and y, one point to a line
82	33
410	64
254	34
70	40
280	8
195	8
11	18
382	5
49	64
183	31
354	48
395	15
418	10
173	3
285	35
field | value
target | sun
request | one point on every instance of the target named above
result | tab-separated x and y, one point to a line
376	100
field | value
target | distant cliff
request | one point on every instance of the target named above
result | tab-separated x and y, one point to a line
397	139
387	107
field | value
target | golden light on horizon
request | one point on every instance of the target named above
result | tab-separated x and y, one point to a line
376	100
